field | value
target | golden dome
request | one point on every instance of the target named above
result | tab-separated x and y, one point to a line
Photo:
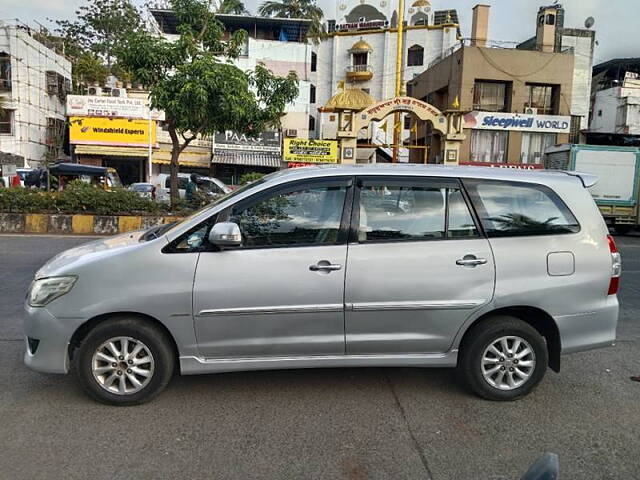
350	99
421	3
361	46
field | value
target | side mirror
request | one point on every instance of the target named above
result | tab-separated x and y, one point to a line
225	235
547	467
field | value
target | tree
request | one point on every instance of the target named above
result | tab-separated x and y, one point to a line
194	82
100	26
305	9
235	7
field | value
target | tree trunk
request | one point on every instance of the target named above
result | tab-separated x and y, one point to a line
176	149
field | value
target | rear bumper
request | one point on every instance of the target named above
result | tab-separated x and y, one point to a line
589	330
52	335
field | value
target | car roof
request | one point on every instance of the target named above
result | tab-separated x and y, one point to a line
506	174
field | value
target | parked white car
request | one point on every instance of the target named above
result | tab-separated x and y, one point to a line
208	184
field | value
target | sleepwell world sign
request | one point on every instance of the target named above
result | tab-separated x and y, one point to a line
517	122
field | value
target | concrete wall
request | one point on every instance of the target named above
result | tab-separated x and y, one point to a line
28	98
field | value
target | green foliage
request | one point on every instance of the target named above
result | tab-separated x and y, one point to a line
200	92
235	7
100	26
250	177
306	9
79	197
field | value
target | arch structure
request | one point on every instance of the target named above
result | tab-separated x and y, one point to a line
448	124
420	109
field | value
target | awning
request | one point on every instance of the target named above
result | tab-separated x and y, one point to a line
183	162
248	158
111	151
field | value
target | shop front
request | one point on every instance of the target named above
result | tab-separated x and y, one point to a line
119	143
511	138
235	155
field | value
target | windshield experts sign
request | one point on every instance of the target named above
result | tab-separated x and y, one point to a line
517	122
111	131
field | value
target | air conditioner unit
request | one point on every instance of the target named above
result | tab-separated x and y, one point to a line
531	111
291	133
119	92
94	91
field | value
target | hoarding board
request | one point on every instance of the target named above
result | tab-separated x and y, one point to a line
301	150
111	131
93	106
517	122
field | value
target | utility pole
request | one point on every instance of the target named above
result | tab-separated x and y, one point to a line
399	59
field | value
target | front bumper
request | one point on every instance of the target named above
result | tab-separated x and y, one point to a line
53	335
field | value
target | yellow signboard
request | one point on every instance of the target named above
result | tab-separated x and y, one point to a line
310	151
111	131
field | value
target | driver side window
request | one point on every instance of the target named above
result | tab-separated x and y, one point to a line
302	217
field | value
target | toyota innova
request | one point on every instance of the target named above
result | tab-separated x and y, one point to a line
496	272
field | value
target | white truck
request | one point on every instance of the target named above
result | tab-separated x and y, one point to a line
619	170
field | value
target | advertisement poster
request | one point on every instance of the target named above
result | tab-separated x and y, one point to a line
310	151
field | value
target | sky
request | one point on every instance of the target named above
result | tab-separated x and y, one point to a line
511	20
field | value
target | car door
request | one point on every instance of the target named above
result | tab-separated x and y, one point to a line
282	292
418	266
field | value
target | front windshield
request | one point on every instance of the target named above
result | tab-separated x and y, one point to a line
217	202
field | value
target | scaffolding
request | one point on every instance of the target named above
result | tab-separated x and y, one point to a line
34	92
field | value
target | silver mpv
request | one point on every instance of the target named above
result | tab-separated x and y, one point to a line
498	272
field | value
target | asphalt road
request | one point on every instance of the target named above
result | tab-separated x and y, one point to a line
345	424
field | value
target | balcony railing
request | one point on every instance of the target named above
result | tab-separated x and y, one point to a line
359	69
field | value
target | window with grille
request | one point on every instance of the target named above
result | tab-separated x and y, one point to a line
415	57
6	122
491	96
543	97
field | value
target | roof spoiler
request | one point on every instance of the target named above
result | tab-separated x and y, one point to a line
587	179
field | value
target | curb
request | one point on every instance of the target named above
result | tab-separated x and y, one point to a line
77	224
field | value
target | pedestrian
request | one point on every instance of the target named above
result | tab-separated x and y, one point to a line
192	188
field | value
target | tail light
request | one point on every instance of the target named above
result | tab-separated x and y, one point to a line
616	266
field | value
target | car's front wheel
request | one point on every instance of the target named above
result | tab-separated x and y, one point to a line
124	361
503	358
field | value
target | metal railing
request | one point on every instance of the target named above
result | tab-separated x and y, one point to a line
359	68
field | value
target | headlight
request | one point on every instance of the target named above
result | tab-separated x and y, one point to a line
46	290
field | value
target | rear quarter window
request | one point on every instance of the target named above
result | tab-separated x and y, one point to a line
520	209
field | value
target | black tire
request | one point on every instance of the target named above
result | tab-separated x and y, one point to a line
480	337
123	326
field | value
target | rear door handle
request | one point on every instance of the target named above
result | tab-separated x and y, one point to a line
471	261
325	266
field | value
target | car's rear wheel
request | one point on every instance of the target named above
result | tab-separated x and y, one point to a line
124	361
503	358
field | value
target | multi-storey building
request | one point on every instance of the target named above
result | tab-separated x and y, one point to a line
361	50
34	82
518	102
615	117
280	44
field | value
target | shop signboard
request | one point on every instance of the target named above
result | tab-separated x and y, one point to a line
300	150
266	142
111	131
514	166
517	122
94	106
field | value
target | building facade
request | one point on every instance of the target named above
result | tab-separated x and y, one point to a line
518	102
34	83
615	117
280	45
361	51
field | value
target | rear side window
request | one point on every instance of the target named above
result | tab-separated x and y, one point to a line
509	209
410	212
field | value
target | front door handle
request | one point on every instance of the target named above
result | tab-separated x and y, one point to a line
325	266
471	261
